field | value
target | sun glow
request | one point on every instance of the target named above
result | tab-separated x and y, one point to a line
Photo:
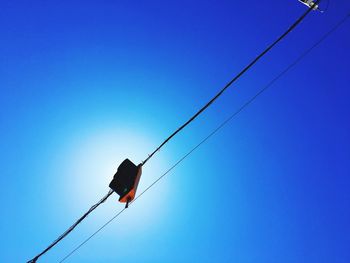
90	162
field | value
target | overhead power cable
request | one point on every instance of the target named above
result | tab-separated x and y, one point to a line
245	69
226	121
92	208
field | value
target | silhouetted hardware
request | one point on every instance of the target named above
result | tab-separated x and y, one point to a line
311	4
126	180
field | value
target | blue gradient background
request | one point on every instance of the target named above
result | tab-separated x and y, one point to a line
85	84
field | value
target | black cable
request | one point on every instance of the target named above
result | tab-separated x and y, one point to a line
232	81
92	208
293	64
180	128
98	230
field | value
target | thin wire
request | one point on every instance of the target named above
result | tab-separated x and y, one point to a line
70	229
293	64
180	128
232	81
98	230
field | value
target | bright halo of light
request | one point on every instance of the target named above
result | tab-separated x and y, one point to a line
92	159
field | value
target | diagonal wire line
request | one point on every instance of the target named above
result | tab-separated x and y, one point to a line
240	74
71	228
246	104
251	64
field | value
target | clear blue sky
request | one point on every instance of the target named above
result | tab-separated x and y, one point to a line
85	84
